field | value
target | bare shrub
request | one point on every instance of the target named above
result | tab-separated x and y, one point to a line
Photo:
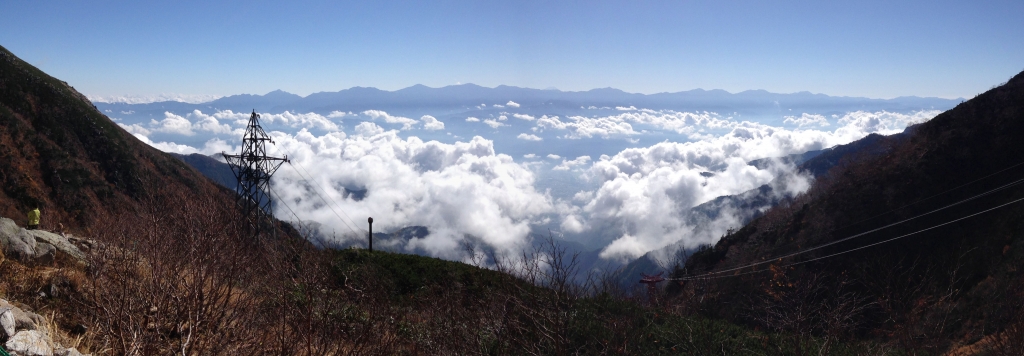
181	280
811	305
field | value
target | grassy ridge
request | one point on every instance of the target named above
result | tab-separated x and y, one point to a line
443	306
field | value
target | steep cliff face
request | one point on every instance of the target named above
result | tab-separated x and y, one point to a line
935	277
57	150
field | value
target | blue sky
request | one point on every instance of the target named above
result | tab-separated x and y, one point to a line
879	49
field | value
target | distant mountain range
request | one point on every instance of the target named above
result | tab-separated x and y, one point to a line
466	96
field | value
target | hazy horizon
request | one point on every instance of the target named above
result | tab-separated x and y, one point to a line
200	99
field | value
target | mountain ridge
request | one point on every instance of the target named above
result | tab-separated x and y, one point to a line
468	95
909	227
62	153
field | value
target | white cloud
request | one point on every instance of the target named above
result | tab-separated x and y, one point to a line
583	196
431	123
582	127
472	119
528	137
524	117
645	193
494	123
498	106
146	99
680	122
639	202
378	114
135	129
694	124
174	124
197	121
512	104
566	165
622	108
338	114
622	124
211	147
368	129
287	118
208	123
807	120
459	191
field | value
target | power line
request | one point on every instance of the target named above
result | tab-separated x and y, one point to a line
278	196
328	196
876	216
865	233
705	276
931	196
282	201
325	201
304	178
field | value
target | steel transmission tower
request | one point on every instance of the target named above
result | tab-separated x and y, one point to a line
253	169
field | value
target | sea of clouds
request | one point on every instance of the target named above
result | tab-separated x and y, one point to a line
626	203
146	99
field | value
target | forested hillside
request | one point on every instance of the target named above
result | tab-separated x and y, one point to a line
919	240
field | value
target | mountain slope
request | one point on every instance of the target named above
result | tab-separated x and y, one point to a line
59	151
748	205
925	283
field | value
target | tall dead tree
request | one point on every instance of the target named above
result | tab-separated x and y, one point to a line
253	169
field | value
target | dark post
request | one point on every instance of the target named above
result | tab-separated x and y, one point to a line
370	220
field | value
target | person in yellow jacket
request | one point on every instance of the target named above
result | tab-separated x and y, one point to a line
33	219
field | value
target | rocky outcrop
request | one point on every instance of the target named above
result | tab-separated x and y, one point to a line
19	245
34	246
60	351
22	320
8	321
27	335
29	343
59	242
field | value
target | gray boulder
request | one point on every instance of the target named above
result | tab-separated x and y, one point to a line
61	243
8	322
23	320
60	351
34	245
45	253
29	343
21	246
8	228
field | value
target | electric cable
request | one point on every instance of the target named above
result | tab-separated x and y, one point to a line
282	201
343	220
862	233
687	278
326	203
328	197
929	197
297	219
